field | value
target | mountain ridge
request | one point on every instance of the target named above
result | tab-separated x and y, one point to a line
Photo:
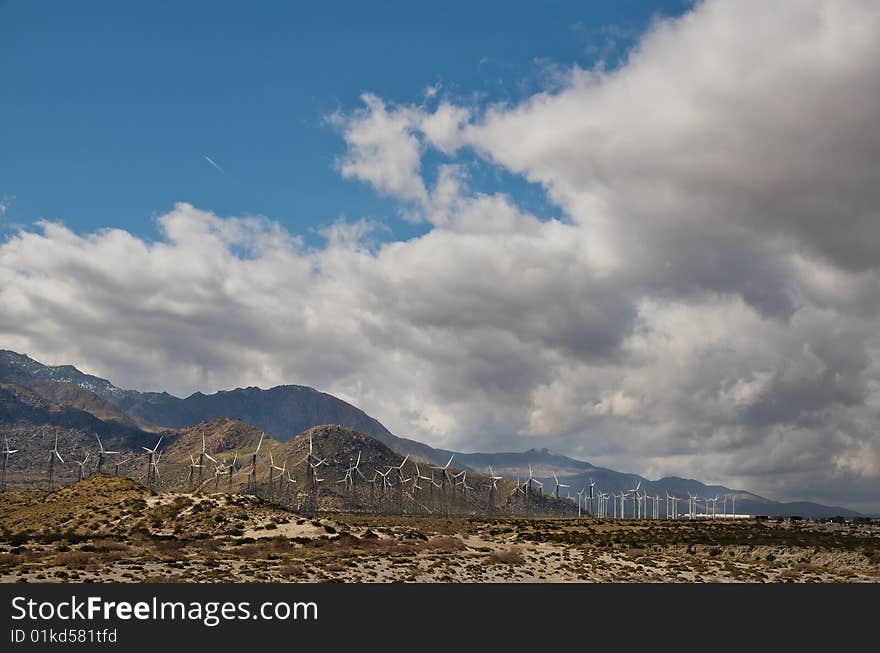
286	410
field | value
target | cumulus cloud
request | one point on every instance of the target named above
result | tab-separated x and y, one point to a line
382	150
705	304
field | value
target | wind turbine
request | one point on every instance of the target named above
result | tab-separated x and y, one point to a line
272	468
82	466
419	474
372	482
493	489
153	463
399	468
530	480
231	468
53	454
592	485
385	482
558	485
101	453
6	453
118	463
290	482
193	465
252	477
692	505
445	469
219	470
202	455
635	492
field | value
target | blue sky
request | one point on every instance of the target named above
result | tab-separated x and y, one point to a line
107	108
708	296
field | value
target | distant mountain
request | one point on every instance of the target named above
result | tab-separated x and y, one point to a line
282	411
578	475
19	368
287	410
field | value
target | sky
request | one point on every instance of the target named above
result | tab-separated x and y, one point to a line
643	234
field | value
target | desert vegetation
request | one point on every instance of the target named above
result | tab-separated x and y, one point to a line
107	529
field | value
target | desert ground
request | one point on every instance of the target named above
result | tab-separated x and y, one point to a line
107	529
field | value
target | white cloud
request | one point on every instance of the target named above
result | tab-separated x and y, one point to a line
705	305
382	150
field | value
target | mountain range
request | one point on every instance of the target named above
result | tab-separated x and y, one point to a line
64	398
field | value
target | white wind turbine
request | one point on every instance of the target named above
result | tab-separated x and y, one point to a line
219	470
372	482
531	479
6	453
446	479
82	466
592	485
102	452
118	463
493	489
252	476
202	455
386	484
635	492
152	465
558	485
193	465
155	465
290	481
419	474
53	454
692	505
231	468
399	470
272	468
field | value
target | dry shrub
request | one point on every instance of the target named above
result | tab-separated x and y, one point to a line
445	544
265	547
105	545
292	569
76	560
511	556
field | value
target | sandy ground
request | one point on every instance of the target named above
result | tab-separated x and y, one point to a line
220	538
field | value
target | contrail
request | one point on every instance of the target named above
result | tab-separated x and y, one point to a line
211	161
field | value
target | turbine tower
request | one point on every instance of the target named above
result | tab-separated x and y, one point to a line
152	464
635	492
272	468
592	485
82	466
202	455
493	489
53	454
6	453
118	463
193	466
102	452
252	477
558	485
